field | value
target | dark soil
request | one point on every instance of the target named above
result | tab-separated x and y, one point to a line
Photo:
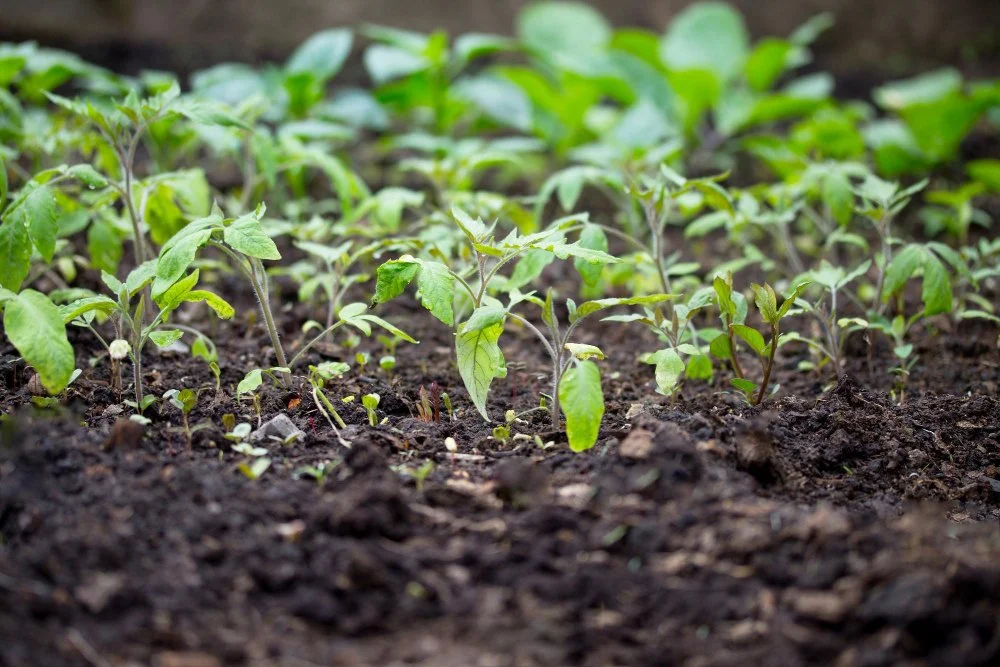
832	526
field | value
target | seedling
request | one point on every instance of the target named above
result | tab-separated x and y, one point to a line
370	403
184	400
767	305
428	405
318	472
255	469
318	377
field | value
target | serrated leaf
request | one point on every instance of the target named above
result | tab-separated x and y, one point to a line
15	249
479	362
392	278
582	401
246	236
437	291
35	327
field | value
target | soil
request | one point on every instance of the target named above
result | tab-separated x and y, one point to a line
833	525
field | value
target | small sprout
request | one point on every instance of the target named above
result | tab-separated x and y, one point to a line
255	469
229	421
318	472
362	359
184	400
387	363
239	433
446	399
450	444
420	474
501	433
428	407
370	403
249	450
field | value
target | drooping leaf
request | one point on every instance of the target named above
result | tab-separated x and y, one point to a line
35	327
393	277
582	401
479	362
15	249
437	291
165	338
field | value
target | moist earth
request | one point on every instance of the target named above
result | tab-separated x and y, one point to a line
832	525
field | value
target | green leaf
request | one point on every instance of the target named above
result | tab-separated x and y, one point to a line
838	196
437	291
986	172
796	292
589	307
35	327
485	317
724	296
565	250
15	249
584	352
747	387
37	212
80	307
474	229
385	63
479	362
563	29
707	36
221	307
922	89
171	298
246	236
936	293
767	302
720	347
669	369
250	382
752	337
4	185
176	257
592	237
322	55
906	262
767	62
582	401
87	175
498	99
165	338
392	278
699	367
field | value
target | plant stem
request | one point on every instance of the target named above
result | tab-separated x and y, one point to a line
733	359
769	367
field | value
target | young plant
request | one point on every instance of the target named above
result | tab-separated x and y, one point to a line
772	314
35	327
184	400
370	403
318	377
479	357
130	321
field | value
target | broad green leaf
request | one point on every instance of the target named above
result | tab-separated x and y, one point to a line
165	338
138	277
393	277
15	251
707	36
250	382
922	89
474	229
575	250
498	99
724	295
699	367
592	237
563	29
385	63
906	262
792	296
37	212
87	175
171	298
838	196
752	337
35	327
582	401
986	172
768	61
485	317
720	347
322	55
479	362
668	371
176	258
528	268
246	236
80	307
437	291
388	326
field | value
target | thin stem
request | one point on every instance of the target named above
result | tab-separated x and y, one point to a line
733	359
307	346
769	367
556	356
